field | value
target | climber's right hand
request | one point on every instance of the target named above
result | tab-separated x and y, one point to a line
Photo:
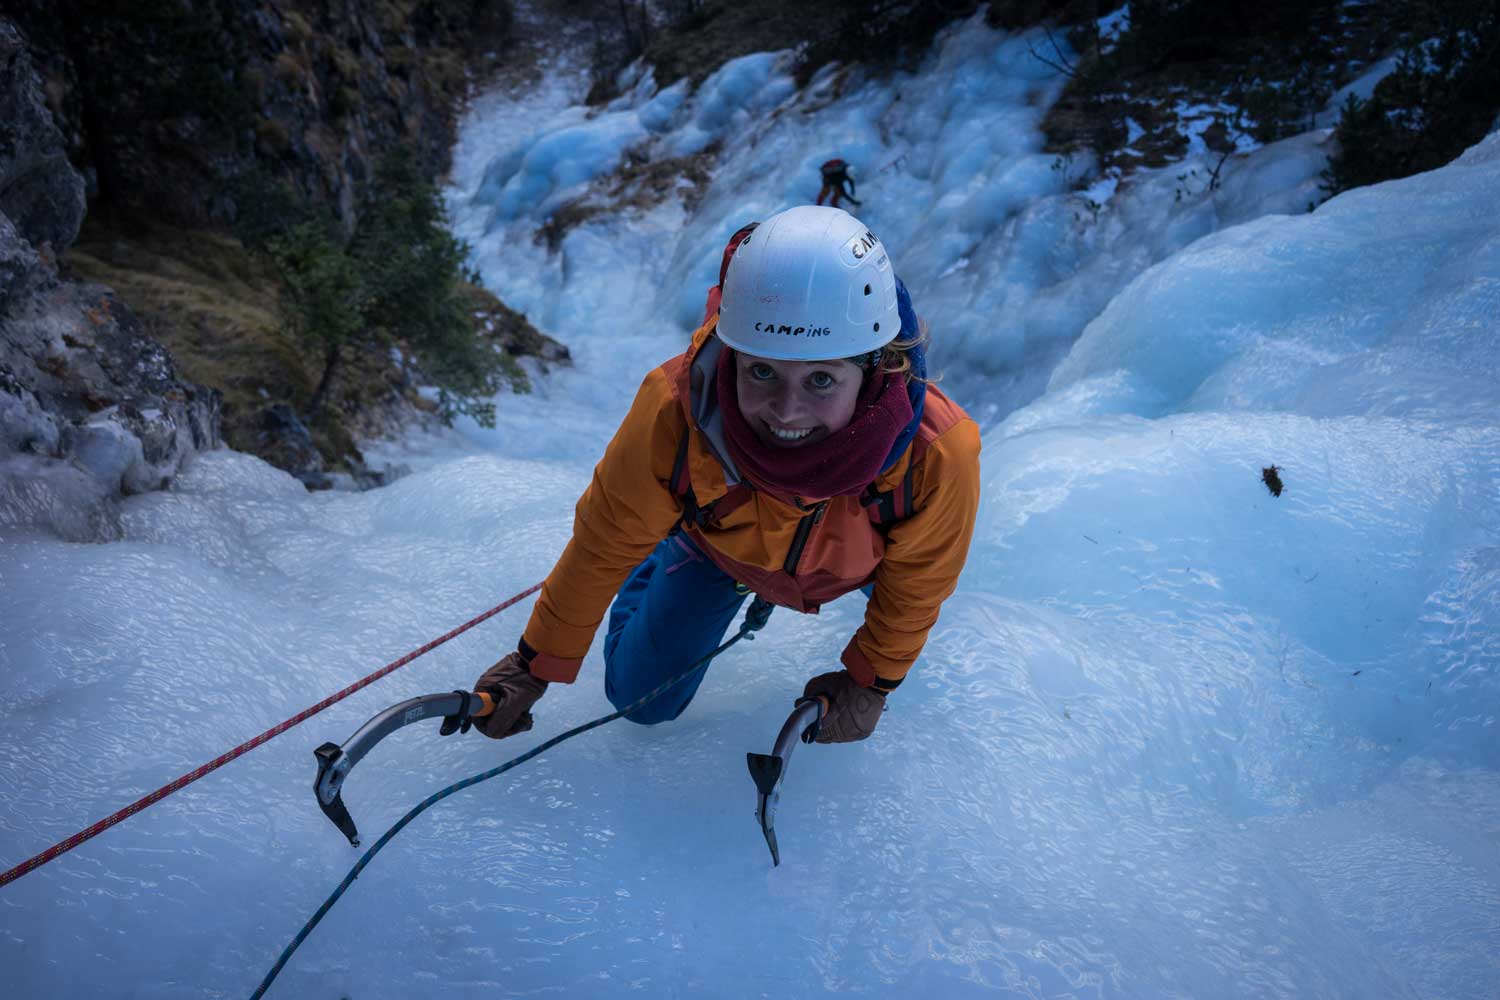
510	683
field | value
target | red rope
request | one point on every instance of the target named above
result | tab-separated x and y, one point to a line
218	762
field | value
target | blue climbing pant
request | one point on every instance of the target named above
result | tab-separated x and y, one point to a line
672	611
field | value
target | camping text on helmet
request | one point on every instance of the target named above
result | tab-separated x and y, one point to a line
809	284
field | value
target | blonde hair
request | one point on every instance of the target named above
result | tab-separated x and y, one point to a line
894	357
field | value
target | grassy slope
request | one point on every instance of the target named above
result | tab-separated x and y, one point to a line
214	307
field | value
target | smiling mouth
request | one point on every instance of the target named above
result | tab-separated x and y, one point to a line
789	435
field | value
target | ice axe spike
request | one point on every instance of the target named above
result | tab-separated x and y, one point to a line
768	769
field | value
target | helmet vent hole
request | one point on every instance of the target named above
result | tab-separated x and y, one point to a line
877	327
867	289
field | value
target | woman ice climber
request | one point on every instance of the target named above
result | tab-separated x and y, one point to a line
795	451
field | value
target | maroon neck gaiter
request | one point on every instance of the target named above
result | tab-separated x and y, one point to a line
843	463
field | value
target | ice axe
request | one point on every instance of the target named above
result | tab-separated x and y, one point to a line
769	769
458	709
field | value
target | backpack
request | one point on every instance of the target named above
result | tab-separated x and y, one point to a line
717	292
833	169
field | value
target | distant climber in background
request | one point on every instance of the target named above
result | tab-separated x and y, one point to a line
835	177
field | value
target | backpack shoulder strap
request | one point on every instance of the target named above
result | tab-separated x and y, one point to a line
681	486
888	507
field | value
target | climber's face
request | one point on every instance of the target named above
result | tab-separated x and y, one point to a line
791	404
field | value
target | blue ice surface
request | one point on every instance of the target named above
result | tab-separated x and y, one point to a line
1173	737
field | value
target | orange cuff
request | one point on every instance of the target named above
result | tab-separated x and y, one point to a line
858	665
545	667
555	668
863	671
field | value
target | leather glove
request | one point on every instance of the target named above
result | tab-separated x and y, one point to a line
510	683
853	711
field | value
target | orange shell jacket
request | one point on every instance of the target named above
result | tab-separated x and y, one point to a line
629	507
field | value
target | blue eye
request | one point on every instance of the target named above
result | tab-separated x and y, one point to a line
762	373
821	380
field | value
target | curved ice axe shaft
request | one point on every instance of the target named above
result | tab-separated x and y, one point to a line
768	769
335	762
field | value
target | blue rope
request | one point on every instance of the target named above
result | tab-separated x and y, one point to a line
755	618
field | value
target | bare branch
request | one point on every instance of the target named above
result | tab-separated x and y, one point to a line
1070	71
1213	178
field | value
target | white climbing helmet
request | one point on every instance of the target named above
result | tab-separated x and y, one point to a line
809	284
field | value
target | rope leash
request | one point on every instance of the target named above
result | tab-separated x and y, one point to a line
64	846
753	623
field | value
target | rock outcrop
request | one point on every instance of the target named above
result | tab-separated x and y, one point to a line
90	407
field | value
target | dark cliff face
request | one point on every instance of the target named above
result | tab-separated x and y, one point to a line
165	103
40	193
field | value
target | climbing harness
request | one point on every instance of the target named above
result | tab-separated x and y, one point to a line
756	617
768	770
149	800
